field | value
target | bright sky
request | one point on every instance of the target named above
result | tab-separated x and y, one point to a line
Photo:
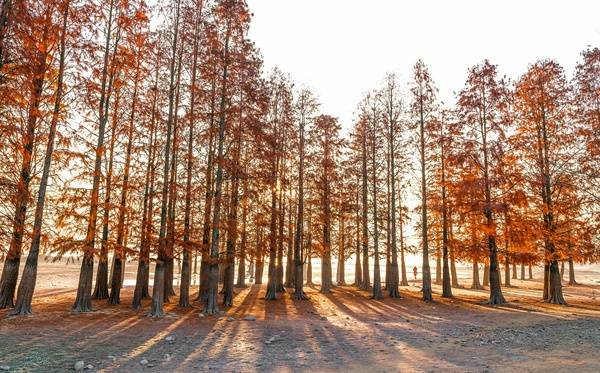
342	48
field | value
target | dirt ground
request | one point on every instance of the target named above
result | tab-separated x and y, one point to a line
344	330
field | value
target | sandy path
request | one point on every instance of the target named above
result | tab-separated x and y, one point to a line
341	331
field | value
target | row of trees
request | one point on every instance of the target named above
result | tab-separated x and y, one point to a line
507	174
152	133
162	142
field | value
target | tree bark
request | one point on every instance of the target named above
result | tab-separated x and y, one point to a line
506	271
571	272
341	272
522	271
486	274
476	284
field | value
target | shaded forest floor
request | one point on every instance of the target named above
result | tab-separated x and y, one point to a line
344	330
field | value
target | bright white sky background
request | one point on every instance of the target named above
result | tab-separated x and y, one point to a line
342	48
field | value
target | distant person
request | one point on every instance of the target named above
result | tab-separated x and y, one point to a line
415	271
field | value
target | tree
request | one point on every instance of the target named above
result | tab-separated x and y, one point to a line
391	118
158	291
137	45
326	144
443	138
373	117
306	107
83	301
29	277
37	37
547	143
482	110
423	107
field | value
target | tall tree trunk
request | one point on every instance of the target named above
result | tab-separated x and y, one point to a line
453	273
271	293
522	271
143	271
309	275
83	301
377	294
101	287
486	274
366	281
172	204
259	267
506	271
553	283
299	230
341	272
357	266
326	256
232	233
120	250
571	272
426	288
210	304
402	261
29	277
279	267
309	251
446	285
186	276
451	249
290	268
438	266
232	220
388	226
241	279
476	284
496	296
158	291
208	201
392	288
